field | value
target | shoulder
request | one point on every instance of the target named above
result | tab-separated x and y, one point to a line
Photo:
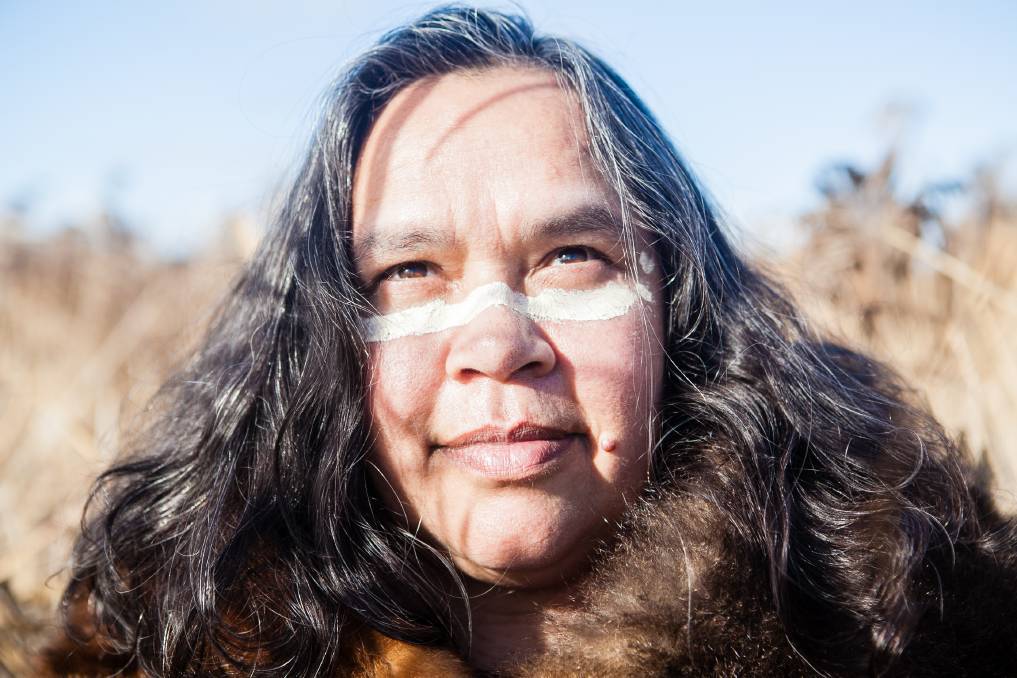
82	650
970	624
677	595
684	594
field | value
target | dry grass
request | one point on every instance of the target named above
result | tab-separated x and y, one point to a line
934	298
89	325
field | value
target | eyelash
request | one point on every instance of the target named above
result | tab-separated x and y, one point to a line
592	253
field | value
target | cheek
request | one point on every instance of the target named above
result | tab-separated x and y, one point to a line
399	371
615	370
612	364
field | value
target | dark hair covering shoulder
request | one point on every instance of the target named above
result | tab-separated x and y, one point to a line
240	532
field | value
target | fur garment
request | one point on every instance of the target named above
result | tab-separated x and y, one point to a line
680	594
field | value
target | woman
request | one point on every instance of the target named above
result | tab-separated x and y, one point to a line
496	395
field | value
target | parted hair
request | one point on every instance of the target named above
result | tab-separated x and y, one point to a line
239	528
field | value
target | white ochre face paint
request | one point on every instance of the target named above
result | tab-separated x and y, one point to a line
646	263
602	303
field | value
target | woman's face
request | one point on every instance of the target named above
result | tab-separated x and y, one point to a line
515	363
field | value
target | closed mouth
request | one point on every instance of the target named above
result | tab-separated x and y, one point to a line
520	433
521	452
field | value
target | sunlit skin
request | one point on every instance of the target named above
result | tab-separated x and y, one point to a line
465	180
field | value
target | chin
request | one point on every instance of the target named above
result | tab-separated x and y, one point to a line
524	543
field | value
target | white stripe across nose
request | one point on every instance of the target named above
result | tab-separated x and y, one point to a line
603	303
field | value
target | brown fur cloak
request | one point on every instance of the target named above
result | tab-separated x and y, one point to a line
680	594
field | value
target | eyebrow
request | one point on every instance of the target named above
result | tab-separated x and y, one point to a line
588	219
413	239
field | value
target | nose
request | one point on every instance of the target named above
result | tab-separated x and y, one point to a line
501	345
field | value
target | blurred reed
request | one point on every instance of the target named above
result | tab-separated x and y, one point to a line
90	324
931	293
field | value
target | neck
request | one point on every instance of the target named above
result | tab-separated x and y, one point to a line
507	627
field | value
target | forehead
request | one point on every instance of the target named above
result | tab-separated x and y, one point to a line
492	149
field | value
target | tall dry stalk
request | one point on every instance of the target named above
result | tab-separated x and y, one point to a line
89	327
933	297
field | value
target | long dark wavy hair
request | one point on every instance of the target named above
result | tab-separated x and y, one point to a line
240	528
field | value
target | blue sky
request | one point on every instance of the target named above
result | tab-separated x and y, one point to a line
180	113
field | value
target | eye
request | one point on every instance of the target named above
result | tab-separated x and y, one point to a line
574	254
405	270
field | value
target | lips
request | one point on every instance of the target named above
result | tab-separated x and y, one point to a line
517	453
